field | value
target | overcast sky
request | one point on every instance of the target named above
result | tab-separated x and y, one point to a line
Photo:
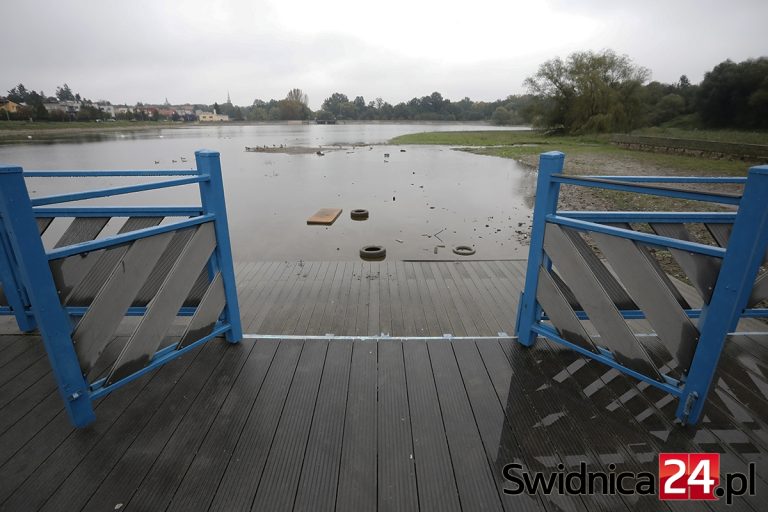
197	50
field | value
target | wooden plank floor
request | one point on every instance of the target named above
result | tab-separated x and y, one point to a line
360	425
339	425
394	298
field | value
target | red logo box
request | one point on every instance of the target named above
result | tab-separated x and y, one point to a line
688	476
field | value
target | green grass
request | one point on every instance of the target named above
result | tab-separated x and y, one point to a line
49	125
691	164
494	138
518	144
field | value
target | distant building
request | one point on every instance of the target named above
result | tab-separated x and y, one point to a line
208	117
106	107
9	106
69	107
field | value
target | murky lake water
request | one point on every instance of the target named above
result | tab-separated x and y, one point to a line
412	195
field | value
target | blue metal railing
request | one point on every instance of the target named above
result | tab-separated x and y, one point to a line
30	290
738	265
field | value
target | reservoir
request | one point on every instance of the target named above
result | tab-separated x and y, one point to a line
422	200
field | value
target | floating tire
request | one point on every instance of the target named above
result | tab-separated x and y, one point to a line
373	252
359	214
463	250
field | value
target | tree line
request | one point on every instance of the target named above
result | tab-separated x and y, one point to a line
594	92
588	92
338	107
33	105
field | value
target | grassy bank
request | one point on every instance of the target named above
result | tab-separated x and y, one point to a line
11	131
737	137
595	155
524	145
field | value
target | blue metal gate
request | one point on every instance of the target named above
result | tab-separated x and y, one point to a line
163	262
589	273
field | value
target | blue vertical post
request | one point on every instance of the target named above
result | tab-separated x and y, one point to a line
547	192
212	198
744	255
12	288
53	321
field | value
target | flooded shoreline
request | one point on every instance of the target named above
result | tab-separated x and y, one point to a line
423	201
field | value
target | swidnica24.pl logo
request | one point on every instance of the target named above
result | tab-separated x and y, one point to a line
681	476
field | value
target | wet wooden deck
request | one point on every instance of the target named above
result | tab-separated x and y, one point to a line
395	298
341	425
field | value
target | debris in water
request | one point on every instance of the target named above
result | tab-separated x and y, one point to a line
325	216
398	240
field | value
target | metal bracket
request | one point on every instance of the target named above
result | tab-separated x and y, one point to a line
690	400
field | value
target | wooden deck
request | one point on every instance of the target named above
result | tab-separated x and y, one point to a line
318	425
395	298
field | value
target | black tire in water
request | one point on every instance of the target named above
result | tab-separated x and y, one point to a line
463	250
373	252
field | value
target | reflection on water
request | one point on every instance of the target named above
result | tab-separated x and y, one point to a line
419	198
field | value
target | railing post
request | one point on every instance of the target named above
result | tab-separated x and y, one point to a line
212	198
12	288
743	257
547	192
54	324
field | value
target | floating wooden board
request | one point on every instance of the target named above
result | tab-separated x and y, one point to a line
325	216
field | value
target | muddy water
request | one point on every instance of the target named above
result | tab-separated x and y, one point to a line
419	198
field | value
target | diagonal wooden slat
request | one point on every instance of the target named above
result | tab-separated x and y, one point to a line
701	270
100	264
657	267
43	223
651	293
207	314
82	229
722	233
759	291
615	291
163	266
100	322
68	272
614	331
198	290
565	291
164	307
559	311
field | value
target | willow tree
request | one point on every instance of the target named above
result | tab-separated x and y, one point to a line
589	92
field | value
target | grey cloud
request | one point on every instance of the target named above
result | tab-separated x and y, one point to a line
196	51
